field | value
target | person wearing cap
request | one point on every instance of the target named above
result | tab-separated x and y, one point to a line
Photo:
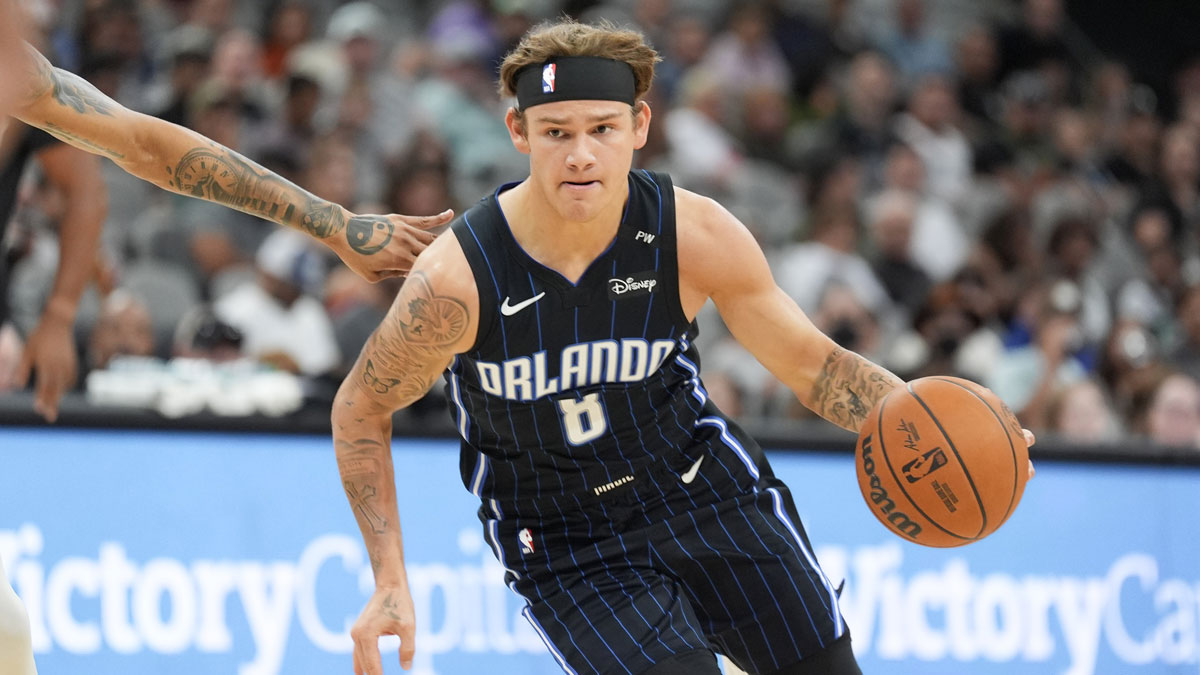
281	321
642	527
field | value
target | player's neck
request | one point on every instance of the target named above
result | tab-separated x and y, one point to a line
564	245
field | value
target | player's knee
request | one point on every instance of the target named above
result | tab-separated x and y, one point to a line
695	662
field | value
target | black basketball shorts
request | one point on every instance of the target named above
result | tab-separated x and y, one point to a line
642	577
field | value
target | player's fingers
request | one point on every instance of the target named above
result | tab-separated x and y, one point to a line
366	647
1031	470
408	645
1030	439
357	663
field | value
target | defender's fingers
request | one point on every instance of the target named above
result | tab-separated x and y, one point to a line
426	222
1030	439
49	391
423	237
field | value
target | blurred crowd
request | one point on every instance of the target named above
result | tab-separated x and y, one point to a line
945	187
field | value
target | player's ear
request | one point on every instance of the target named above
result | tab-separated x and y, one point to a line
641	124
515	121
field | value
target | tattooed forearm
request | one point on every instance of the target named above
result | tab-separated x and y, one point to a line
80	141
225	177
400	355
76	92
361	495
848	387
359	458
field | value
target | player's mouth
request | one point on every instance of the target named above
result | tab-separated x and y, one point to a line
580	185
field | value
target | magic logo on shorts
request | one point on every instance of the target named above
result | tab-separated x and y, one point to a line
548	72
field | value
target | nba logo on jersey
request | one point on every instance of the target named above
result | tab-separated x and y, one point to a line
525	536
548	78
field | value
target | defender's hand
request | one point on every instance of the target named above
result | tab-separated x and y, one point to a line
51	351
379	247
389	612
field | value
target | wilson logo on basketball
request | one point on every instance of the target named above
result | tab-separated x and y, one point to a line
924	465
878	495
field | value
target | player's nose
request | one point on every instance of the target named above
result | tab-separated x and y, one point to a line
581	154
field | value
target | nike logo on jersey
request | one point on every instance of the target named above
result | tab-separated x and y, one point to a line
508	310
690	474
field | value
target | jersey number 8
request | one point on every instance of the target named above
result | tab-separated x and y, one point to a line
583	420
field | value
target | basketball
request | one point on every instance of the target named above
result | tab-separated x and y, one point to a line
942	461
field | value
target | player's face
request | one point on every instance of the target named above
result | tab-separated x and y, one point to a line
580	153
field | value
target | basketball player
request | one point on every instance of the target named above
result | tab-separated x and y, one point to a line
182	161
642	527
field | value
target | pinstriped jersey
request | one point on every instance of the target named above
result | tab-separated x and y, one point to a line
578	388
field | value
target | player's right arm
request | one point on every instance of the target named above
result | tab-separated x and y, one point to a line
434	317
183	161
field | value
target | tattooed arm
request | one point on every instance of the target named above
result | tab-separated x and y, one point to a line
182	161
837	384
432	319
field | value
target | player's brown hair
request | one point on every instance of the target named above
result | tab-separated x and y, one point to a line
568	37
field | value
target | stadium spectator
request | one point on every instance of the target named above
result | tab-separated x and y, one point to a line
281	322
1173	418
1081	413
123	328
913	47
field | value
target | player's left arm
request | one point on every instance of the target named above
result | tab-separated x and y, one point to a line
50	349
719	259
431	320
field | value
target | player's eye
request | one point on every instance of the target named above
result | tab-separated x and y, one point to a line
603	129
556	133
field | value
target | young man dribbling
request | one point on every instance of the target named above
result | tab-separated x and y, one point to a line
643	528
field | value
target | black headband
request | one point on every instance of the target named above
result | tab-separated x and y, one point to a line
575	78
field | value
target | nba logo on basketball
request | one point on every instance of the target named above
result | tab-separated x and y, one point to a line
924	465
525	536
548	78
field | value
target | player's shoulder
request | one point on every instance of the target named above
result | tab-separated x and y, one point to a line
445	267
702	221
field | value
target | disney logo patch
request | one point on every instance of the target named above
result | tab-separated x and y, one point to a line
632	285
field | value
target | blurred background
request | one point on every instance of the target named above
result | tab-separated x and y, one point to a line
1004	190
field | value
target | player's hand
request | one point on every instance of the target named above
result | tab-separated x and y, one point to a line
379	247
1030	439
389	612
51	351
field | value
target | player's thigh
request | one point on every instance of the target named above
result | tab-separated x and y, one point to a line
16	645
628	620
756	585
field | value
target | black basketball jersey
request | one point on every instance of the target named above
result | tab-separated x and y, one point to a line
572	390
